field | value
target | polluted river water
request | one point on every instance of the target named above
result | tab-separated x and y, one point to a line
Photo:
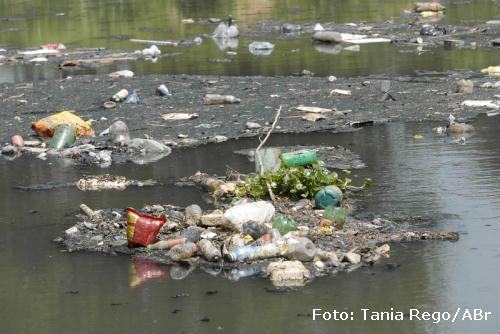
451	186
111	24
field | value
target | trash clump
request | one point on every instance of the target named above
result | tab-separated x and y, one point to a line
295	238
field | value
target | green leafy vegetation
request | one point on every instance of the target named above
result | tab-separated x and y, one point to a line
294	183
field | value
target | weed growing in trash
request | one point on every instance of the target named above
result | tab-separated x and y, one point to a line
294	183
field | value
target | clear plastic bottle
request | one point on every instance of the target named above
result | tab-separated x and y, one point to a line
249	253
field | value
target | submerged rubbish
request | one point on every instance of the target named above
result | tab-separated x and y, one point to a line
261	48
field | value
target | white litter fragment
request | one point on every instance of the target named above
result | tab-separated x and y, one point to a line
481	103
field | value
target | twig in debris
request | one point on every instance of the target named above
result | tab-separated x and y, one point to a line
262	142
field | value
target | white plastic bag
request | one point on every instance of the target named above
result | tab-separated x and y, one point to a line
260	212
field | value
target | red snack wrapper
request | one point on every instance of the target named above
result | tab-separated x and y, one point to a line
142	229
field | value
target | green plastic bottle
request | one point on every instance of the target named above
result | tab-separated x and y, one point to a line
329	195
284	224
299	158
64	136
335	214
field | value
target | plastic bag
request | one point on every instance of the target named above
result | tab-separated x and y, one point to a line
260	212
142	229
48	125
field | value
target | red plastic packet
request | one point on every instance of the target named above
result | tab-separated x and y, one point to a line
142	229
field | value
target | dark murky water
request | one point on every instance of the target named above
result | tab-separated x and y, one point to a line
454	187
111	24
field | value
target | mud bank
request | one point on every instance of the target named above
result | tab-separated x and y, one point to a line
416	99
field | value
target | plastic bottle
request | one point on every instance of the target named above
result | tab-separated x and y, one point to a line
120	96
299	248
192	214
209	251
119	133
330	195
284	224
299	158
166	244
219	99
253	253
182	251
64	136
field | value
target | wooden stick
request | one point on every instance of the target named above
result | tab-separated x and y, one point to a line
262	142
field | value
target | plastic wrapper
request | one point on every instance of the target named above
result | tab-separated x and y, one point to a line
48	125
142	229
